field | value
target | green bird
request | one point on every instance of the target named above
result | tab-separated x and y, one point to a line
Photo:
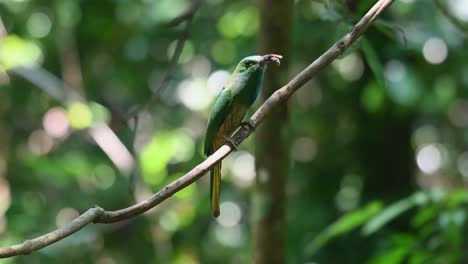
229	110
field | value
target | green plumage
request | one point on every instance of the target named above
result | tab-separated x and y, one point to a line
229	110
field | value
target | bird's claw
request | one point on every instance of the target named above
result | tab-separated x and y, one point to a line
231	143
248	123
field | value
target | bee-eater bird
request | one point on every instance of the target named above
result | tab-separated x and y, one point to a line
229	110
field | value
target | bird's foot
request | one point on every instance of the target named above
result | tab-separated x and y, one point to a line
248	123
231	143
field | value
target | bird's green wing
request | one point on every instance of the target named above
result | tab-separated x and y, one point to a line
220	110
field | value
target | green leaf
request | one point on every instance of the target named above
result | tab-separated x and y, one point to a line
456	198
344	225
165	147
393	256
392	30
373	60
418	257
393	211
79	115
424	215
373	97
402	246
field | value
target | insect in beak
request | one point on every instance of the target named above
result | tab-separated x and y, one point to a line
271	57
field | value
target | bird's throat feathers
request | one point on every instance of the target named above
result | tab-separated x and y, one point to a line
246	85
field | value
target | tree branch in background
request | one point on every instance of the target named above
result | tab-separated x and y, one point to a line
98	215
185	16
455	21
102	134
269	218
161	87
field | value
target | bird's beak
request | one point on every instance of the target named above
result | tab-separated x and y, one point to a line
270	57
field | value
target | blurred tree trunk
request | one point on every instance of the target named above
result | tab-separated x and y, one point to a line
272	152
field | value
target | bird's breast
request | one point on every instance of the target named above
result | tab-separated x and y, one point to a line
230	124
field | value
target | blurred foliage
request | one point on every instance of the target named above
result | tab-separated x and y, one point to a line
378	140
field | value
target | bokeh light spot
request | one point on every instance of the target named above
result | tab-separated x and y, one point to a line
459	8
373	97
304	149
230	214
240	23
55	122
229	236
175	146
217	80
349	194
39	25
15	51
194	94
40	143
435	50
394	71
68	13
79	115
243	169
198	67
65	216
429	158
350	67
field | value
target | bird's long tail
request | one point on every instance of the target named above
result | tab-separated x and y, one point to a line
215	180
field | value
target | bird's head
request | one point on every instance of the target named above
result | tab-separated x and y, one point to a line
251	64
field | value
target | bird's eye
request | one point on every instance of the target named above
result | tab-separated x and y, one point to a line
249	63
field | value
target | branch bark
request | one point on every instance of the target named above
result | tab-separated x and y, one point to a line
99	215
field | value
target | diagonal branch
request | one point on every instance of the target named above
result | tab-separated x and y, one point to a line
57	89
74	226
102	134
187	15
166	75
99	215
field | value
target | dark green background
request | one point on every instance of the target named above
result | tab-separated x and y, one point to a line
355	192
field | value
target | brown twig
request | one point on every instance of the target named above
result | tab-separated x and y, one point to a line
187	15
456	22
161	87
99	215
